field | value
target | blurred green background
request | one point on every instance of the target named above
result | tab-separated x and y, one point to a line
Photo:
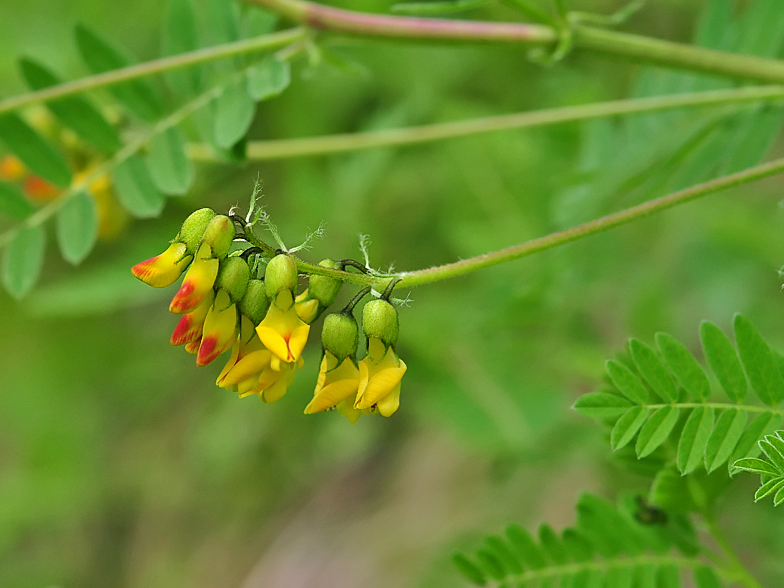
121	464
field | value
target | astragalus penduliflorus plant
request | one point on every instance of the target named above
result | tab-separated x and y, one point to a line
455	184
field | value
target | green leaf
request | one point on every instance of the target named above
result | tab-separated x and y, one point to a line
779	497
268	79
669	577
526	547
759	363
135	188
469	569
503	553
686	369
170	167
22	261
619	578
577	547
754	465
138	95
77	227
724	437
180	35
627	426
433	8
644	576
656	430
601	405
773	450
75	112
704	577
608	530
628	383
765	422
488	561
13	202
259	21
34	151
670	492
653	370
552	545
723	361
694	438
768	487
234	110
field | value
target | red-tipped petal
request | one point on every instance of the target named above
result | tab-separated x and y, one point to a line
197	284
164	269
190	326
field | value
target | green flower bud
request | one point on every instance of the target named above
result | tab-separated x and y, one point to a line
323	288
255	303
192	229
281	275
379	320
219	235
340	336
233	277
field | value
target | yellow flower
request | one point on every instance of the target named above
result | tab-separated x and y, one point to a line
282	331
164	269
191	324
198	281
379	379
220	329
307	308
336	383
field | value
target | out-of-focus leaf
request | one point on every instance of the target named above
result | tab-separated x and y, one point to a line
34	151
758	362
728	430
656	430
234	110
181	35
653	370
723	361
602	405
269	78
75	112
694	438
22	261
682	363
139	95
13	202
136	190
170	168
77	227
258	21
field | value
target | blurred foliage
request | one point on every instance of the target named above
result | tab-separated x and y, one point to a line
121	464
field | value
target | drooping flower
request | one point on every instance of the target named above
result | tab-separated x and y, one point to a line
198	281
164	269
381	371
191	324
338	379
307	308
220	329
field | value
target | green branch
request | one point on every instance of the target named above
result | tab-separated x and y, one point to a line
288	148
631	46
467	266
736	567
110	78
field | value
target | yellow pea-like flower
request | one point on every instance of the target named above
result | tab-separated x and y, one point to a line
164	269
198	281
220	329
379	379
282	331
190	326
336	383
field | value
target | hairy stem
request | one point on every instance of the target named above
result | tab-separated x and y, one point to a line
631	46
116	76
467	266
289	148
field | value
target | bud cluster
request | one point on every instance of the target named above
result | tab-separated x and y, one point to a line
225	306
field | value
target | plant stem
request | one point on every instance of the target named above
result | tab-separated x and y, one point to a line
288	148
740	572
596	39
466	266
116	76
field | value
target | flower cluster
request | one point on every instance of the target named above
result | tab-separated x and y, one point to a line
247	303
